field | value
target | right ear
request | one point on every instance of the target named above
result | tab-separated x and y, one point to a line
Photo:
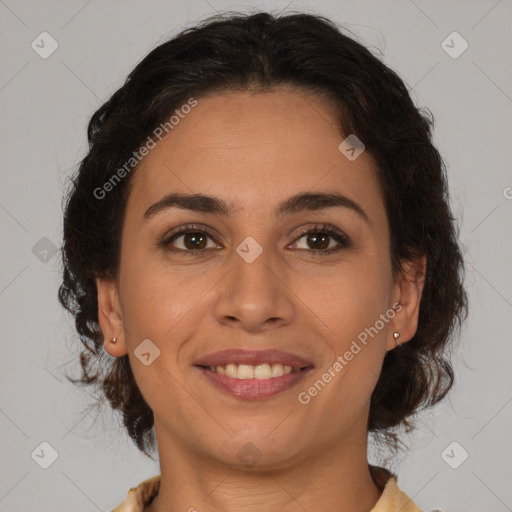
110	317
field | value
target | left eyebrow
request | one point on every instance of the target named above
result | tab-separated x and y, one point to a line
304	201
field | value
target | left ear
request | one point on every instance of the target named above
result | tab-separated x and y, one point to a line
407	292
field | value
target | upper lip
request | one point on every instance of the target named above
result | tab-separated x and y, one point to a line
252	357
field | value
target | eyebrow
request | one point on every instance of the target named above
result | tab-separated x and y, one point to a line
304	201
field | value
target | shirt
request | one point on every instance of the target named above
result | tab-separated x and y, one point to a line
391	500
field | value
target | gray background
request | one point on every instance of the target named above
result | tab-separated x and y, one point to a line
45	106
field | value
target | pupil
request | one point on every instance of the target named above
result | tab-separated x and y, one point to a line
316	236
193	238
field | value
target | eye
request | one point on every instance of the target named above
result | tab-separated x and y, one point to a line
318	240
190	240
193	240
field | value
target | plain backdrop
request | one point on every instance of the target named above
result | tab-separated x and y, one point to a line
45	107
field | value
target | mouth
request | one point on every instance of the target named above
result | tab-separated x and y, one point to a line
253	374
259	372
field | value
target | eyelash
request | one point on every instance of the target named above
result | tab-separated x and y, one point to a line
325	229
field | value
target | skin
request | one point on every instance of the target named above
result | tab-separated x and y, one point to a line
257	150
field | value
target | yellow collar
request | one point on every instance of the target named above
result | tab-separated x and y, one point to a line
391	500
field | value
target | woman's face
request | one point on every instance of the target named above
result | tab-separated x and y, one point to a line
255	282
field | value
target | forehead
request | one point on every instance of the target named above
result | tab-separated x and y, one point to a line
255	150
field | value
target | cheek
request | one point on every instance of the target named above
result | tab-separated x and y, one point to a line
349	304
155	297
163	309
346	299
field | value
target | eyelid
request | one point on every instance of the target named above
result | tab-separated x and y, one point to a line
189	227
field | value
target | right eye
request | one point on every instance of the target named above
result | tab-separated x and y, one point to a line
194	241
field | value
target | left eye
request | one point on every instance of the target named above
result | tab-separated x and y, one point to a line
317	240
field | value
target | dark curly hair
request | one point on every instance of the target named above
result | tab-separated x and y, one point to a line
259	52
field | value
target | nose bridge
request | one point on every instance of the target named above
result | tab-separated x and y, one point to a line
255	290
253	266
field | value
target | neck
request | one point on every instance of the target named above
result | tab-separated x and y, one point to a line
330	479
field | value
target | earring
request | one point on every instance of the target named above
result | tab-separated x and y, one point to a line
113	340
396	335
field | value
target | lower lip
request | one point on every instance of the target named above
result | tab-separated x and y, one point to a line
255	389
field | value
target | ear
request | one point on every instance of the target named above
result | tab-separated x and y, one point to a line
407	292
110	317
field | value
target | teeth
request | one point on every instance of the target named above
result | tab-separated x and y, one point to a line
262	371
247	371
231	370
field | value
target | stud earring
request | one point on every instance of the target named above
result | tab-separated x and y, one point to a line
113	340
396	335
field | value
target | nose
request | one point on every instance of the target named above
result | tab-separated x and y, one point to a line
255	296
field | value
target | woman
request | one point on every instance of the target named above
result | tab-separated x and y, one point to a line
260	236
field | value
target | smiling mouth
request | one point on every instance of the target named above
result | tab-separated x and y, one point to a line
259	382
253	374
259	372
